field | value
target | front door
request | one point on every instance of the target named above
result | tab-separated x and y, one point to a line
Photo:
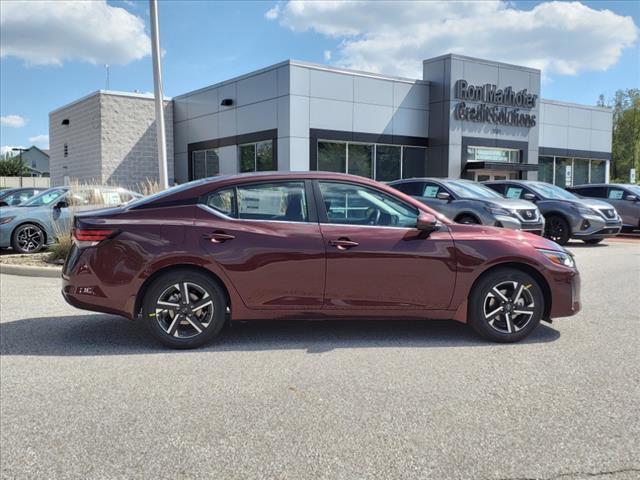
269	245
376	258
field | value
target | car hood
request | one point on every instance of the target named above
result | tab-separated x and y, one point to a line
468	232
511	203
586	202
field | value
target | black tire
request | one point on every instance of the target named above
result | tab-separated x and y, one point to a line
208	319
556	228
467	220
28	238
593	241
496	327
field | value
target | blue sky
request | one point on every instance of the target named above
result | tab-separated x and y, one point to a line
582	50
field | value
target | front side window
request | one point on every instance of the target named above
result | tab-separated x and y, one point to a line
514	191
257	157
273	201
599	192
431	190
411	188
351	204
45	198
616	194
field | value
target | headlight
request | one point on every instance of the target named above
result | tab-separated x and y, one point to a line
4	220
584	210
499	211
559	258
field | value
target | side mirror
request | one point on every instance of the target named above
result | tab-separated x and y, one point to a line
61	204
443	196
530	197
426	222
631	198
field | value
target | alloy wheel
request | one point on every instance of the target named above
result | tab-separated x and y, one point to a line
184	310
29	239
509	306
556	229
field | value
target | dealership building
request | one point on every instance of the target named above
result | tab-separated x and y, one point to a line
466	118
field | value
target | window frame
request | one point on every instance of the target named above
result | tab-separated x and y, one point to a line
323	217
312	212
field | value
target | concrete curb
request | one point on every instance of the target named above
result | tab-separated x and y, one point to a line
29	271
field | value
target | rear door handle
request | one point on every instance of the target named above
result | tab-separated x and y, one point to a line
218	237
343	243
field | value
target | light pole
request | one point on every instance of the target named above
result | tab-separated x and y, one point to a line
20	149
159	96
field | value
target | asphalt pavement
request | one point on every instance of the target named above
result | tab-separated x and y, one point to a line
86	395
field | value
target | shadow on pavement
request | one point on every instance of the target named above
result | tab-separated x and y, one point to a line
88	335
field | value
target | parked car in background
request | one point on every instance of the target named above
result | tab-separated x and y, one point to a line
624	197
30	226
465	201
308	245
567	216
15	196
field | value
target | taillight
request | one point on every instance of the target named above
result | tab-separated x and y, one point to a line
89	238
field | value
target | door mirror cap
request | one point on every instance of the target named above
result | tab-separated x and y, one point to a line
443	196
61	204
427	222
631	198
530	197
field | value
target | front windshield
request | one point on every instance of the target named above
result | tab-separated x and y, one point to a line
635	189
45	198
471	190
553	192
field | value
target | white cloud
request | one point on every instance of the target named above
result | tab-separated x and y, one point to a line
4	149
394	37
40	140
327	55
50	33
14	121
273	13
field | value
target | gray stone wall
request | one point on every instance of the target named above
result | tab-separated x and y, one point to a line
82	137
128	139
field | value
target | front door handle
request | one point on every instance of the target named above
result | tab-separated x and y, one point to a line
343	243
218	237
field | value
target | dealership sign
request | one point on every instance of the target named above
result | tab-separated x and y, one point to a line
501	106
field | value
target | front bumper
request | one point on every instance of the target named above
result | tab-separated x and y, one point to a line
594	227
514	223
565	292
5	235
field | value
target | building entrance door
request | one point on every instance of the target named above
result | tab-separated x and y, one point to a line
485	175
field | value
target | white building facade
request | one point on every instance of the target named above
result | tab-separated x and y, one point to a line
466	117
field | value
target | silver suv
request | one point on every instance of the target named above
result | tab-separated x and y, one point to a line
624	197
567	215
465	201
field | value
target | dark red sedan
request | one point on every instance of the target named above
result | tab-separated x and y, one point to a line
308	245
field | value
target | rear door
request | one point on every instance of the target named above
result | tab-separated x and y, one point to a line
267	239
376	258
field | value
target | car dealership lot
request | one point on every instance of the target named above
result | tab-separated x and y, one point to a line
89	395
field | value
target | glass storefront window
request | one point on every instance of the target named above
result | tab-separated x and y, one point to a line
387	163
360	160
257	157
414	162
205	163
486	154
332	157
580	171
561	172
545	169
598	171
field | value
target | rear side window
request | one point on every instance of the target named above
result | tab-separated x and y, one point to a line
598	192
410	188
498	187
282	201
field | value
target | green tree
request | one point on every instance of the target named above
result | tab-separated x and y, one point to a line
625	148
12	166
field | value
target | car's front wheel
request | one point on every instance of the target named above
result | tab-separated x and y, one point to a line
28	238
505	305
184	309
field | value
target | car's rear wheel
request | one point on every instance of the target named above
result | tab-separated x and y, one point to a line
184	309
593	241
557	229
467	219
505	305
28	238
